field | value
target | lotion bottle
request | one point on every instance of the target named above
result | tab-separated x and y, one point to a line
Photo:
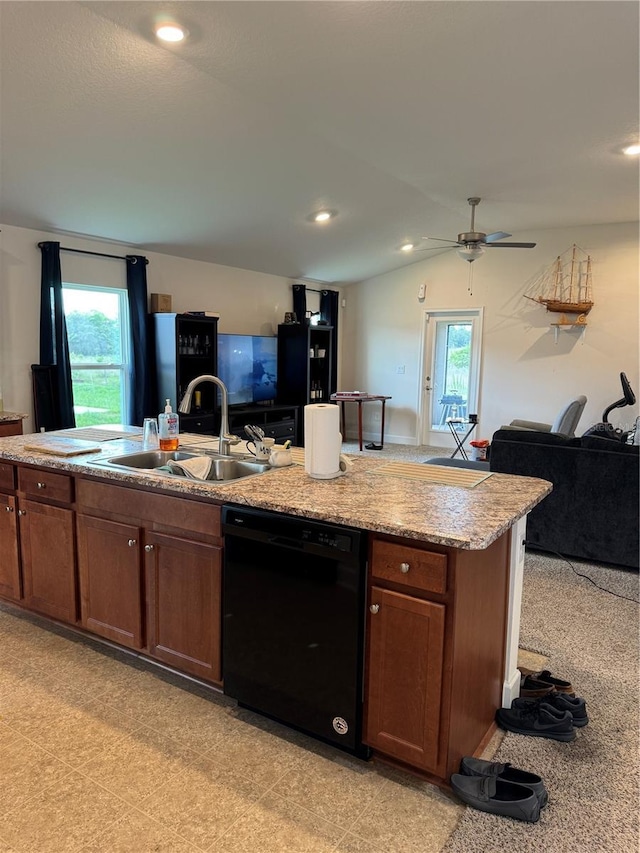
168	428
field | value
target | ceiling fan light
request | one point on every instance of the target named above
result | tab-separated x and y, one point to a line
471	252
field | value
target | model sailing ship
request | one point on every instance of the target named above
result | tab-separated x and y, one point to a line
566	288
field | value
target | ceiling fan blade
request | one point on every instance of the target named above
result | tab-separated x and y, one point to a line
497	235
511	245
443	239
434	248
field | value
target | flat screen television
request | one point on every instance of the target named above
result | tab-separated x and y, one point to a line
247	365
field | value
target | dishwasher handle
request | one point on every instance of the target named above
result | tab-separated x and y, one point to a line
286	543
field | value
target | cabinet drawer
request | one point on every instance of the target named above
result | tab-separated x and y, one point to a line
204	424
281	429
7	476
158	510
45	484
412	567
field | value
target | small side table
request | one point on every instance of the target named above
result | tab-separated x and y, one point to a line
452	423
360	399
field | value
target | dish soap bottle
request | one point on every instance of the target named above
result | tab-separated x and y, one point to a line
168	428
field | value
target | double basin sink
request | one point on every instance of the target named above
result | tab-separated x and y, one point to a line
223	468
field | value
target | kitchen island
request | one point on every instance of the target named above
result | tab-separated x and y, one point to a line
443	590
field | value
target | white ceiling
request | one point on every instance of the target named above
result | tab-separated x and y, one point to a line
391	113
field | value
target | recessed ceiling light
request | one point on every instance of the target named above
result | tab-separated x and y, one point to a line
406	247
632	150
170	32
323	216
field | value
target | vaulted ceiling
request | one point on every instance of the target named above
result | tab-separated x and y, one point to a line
389	113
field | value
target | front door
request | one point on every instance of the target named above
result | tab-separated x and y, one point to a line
450	373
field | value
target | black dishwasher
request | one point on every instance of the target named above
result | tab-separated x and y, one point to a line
293	624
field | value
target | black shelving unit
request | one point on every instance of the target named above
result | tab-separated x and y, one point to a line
304	366
185	347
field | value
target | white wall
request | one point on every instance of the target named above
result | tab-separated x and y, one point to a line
249	303
525	374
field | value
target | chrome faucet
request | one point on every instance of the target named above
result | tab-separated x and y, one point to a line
226	438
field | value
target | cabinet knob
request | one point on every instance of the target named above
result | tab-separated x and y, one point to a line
132	542
404	568
9	508
41	485
22	512
148	548
374	608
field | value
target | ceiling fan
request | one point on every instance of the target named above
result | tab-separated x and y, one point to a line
472	243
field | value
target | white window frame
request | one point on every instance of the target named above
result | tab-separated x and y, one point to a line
124	367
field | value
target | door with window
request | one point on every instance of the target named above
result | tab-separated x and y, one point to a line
450	373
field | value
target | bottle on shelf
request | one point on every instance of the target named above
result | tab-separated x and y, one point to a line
168	428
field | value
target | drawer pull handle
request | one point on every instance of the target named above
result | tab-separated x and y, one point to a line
41	485
404	568
9	508
148	548
374	608
22	512
131	543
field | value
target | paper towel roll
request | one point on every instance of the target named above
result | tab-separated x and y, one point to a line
322	441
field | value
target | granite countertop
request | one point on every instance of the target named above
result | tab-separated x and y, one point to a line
12	416
468	518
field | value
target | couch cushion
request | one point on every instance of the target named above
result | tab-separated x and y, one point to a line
597	442
551	439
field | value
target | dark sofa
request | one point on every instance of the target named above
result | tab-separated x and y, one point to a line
593	511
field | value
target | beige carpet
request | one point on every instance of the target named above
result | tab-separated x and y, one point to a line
591	638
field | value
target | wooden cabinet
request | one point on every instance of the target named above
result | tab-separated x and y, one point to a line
186	346
10	578
109	565
10	427
435	651
151	574
184	582
304	366
406	654
47	543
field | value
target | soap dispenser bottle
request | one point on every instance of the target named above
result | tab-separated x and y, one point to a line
168	428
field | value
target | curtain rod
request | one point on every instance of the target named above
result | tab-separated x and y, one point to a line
97	254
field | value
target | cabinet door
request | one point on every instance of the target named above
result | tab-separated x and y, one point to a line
183	603
406	646
47	546
110	569
9	561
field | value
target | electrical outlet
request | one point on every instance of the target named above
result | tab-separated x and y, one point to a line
376	417
400	368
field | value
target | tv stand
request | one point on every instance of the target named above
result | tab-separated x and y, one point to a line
277	421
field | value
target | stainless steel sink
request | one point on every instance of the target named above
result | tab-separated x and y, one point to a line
223	468
148	458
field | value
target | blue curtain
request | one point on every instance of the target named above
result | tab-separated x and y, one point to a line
300	302
53	400
329	312
142	399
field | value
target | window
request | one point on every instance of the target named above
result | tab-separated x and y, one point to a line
97	321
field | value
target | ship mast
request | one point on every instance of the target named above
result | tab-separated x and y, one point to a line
572	279
587	288
557	282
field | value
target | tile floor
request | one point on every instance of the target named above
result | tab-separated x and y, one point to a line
103	753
